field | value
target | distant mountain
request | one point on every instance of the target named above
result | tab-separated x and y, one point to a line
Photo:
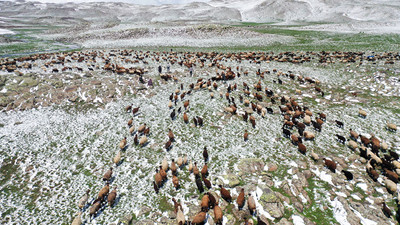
214	10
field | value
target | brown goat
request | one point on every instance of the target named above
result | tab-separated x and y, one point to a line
240	199
205	203
225	194
112	196
218	216
330	164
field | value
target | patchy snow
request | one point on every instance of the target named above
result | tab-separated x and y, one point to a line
297	220
339	212
5	31
364	221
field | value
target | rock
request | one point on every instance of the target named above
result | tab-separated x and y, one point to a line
338	179
171	215
267	179
127	219
297	205
283	198
352	218
233	180
271	203
340	161
284	221
303	165
272	167
285	187
29	82
249	166
353	157
263	219
144	210
302	179
230	219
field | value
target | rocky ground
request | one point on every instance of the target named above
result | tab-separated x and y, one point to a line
60	130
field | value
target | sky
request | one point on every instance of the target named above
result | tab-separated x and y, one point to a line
142	2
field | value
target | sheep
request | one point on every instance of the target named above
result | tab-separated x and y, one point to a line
199	185
95	207
135	110
171	135
218	216
186	104
339	123
141	128
349	175
205	202
386	210
164	164
302	148
77	220
240	199
384	146
132	129
175	181
173	167
353	135
373	156
185	160
168	145
179	161
225	194
314	156
143	140
251	204
199	218
340	138
170	104
204	170
207	183
172	115
396	164
82	202
392	127
107	176
213	200
392	176
352	145
307	119
286	133
373	174
308	135
246	135
205	154
117	158
122	143
180	217
163	174
155	186
362	113
104	191
111	197
158	179
130	122
200	121
185	118
390	185
330	164
190	167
